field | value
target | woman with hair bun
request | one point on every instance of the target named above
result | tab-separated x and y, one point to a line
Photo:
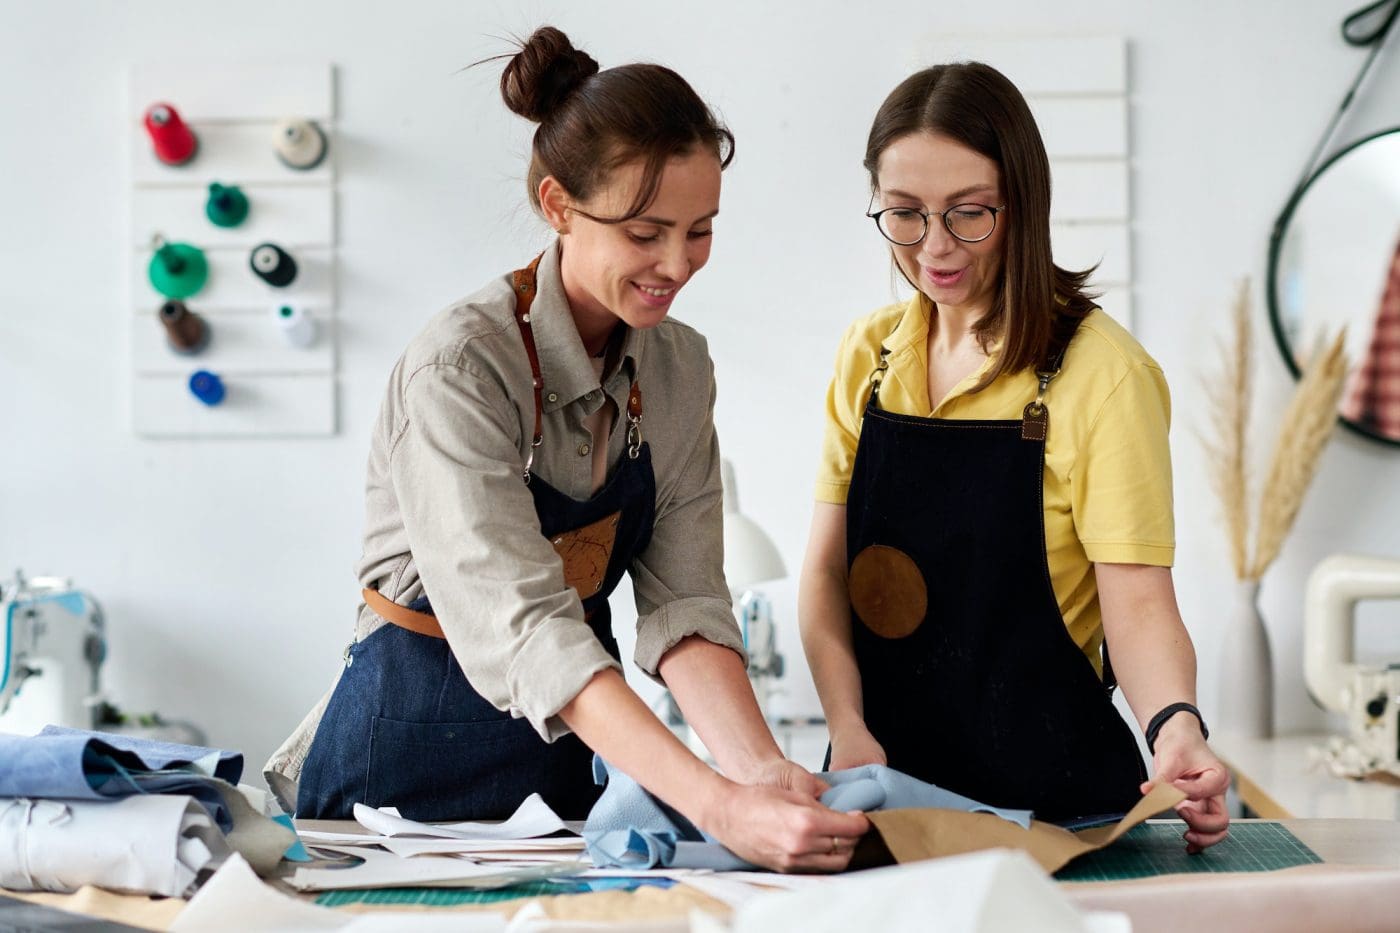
539	439
994	505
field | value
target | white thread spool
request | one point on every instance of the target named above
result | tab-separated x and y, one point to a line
296	324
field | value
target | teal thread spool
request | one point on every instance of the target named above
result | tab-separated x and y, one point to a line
178	270
227	205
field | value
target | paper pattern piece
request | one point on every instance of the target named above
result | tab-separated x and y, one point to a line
142	845
532	818
983	892
386	870
912	835
234	901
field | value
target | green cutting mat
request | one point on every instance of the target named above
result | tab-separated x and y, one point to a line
451	897
1150	849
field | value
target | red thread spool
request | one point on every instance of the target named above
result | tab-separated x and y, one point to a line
174	142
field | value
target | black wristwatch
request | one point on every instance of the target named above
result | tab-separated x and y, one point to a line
1157	722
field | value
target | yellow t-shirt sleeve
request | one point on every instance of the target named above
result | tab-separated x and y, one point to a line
844	409
1121	484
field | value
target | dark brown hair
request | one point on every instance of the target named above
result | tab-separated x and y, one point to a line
1037	304
592	122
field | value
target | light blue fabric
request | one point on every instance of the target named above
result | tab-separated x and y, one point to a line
876	787
70	764
629	828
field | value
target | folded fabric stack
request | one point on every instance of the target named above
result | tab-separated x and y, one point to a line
133	815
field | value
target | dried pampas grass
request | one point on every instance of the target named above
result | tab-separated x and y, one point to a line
1229	416
1308	423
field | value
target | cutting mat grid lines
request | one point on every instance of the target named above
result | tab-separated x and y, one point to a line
455	897
1156	848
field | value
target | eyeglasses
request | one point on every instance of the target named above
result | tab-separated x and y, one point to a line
905	226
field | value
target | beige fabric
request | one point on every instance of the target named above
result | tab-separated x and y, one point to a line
446	508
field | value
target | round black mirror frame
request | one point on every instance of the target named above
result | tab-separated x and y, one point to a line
1276	247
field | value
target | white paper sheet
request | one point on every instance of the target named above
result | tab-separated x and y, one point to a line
234	901
386	870
982	892
532	818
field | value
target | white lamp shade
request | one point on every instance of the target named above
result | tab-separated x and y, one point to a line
750	556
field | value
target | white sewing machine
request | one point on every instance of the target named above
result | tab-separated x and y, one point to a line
52	645
1369	695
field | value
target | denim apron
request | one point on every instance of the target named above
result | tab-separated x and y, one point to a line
405	729
969	676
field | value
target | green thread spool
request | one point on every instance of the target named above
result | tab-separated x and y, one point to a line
227	205
178	270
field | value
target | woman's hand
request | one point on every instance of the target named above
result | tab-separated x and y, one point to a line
785	830
1184	760
853	746
788	775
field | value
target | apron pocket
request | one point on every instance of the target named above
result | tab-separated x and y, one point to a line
451	770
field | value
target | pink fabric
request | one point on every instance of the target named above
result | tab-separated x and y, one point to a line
1372	395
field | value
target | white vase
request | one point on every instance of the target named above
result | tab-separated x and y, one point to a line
1246	707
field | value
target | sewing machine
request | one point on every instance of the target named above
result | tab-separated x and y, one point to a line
52	645
1369	695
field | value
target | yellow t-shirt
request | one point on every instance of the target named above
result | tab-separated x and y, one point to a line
1107	479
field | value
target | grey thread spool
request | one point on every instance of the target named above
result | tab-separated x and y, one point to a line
186	331
273	265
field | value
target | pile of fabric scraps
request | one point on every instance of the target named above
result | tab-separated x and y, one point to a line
128	814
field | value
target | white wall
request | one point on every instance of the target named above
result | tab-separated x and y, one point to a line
225	566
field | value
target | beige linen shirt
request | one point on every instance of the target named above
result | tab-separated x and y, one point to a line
447	511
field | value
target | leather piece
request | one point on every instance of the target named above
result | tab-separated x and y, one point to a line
586	553
888	591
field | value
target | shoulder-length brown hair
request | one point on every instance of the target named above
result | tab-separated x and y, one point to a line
1037	304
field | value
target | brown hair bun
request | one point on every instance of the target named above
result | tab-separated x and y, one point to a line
543	74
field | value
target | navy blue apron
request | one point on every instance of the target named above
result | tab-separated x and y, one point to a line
969	676
404	728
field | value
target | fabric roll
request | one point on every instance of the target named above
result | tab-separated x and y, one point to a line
162	845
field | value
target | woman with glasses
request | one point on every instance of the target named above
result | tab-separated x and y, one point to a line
994	497
539	439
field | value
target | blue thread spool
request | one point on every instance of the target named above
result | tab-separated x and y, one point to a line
207	387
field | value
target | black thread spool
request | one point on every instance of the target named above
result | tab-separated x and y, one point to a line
184	330
273	265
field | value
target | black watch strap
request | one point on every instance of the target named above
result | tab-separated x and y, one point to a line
1160	720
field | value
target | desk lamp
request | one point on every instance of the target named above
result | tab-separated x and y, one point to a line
750	558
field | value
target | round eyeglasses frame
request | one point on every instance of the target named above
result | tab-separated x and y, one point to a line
942	215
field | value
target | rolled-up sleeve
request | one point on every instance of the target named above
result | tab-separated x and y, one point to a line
678	579
496	584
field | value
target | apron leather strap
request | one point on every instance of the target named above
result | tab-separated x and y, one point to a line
524	283
403	617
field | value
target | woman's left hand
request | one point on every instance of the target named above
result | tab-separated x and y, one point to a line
1184	760
788	775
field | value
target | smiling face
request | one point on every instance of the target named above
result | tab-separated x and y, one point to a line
633	270
931	172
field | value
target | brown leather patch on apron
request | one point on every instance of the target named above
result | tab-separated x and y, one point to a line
586	552
887	591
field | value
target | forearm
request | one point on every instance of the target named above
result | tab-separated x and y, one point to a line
713	690
613	721
1150	648
824	617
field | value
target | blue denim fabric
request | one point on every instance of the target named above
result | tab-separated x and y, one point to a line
876	787
76	765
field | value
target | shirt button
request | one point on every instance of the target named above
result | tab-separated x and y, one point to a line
583	450
553	396
590	395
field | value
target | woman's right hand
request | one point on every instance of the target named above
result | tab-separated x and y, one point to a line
854	746
784	830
